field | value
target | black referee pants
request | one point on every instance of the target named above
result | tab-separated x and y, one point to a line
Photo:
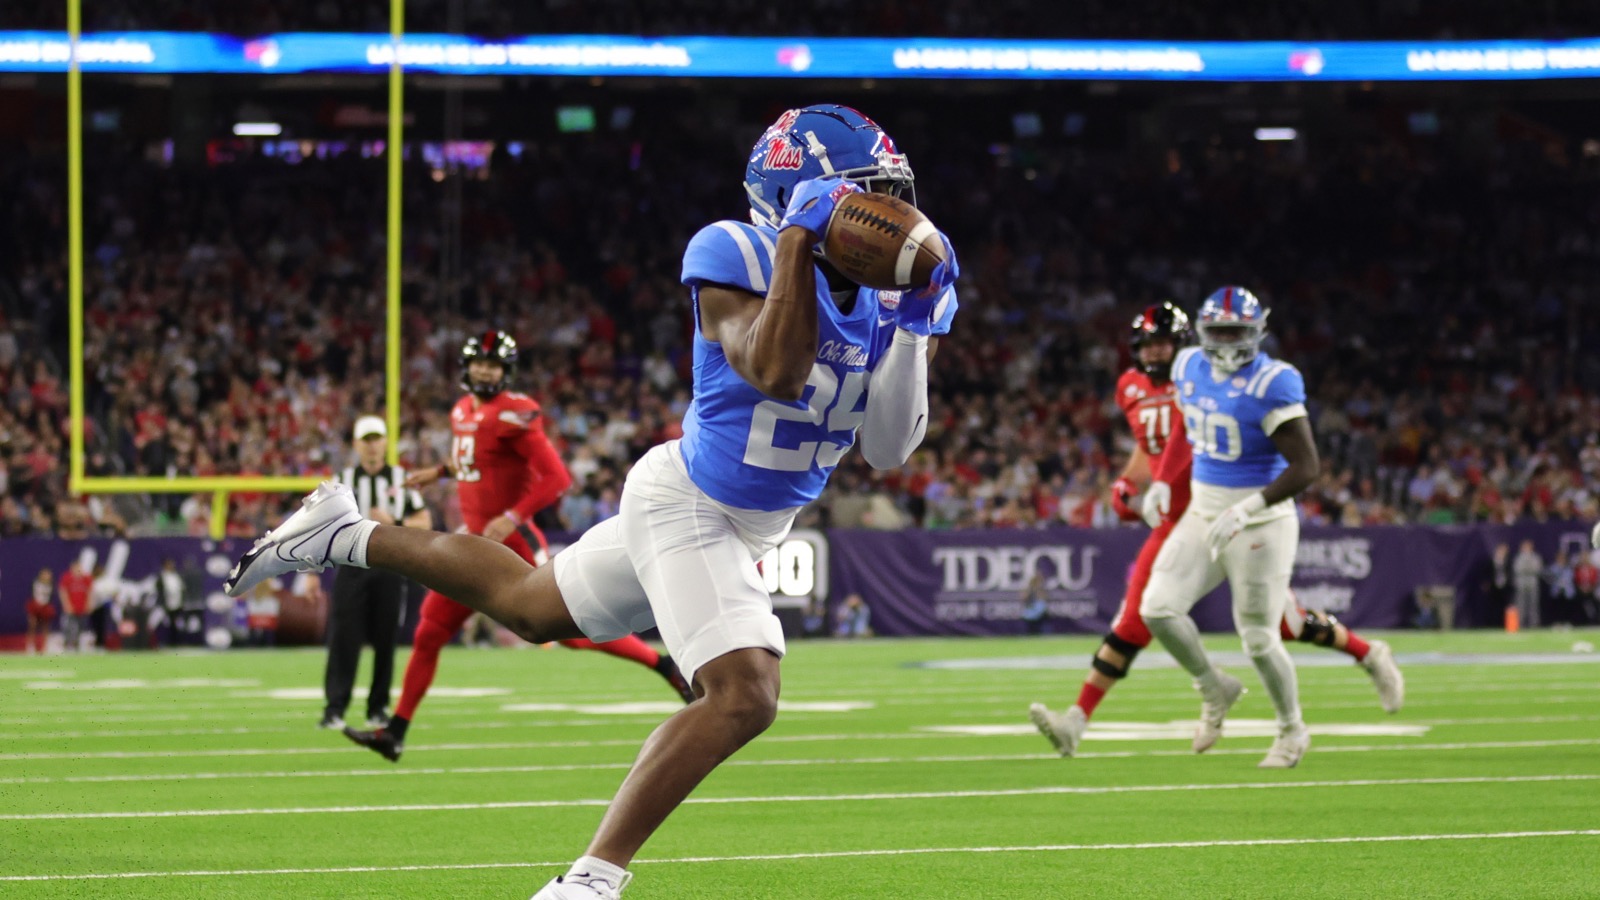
367	604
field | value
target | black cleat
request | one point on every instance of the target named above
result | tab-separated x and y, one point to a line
668	669
380	742
331	720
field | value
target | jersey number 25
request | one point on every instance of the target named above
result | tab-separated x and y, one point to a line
832	401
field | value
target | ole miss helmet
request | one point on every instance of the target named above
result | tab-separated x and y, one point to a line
825	139
493	345
1232	324
1164	320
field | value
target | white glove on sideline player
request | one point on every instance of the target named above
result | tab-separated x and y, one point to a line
1594	536
1232	521
1156	504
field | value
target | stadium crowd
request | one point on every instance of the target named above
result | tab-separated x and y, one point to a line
1432	294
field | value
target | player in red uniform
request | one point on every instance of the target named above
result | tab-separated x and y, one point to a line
40	611
505	471
1159	466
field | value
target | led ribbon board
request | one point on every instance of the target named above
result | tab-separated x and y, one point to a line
179	52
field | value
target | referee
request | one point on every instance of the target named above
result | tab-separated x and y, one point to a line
368	603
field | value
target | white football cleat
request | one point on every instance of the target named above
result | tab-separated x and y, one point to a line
1064	730
1291	744
592	889
302	543
1386	676
1214	708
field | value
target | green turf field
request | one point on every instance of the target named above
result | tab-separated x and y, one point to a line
898	769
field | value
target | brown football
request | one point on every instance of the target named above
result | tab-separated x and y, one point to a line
882	242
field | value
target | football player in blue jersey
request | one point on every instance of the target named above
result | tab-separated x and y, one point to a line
793	364
1245	416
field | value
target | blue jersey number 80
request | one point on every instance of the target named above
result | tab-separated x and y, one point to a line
1214	435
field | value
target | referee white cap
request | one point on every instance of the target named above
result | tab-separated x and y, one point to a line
369	426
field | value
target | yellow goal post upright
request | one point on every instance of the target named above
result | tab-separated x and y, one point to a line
78	481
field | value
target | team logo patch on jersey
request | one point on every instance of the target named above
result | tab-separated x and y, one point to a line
1238	382
519	418
1133	391
889	300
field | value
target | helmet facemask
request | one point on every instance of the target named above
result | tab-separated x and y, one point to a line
1231	345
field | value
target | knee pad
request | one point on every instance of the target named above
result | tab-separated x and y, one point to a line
1318	628
1127	648
1259	640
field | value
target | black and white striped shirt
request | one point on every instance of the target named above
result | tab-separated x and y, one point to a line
386	489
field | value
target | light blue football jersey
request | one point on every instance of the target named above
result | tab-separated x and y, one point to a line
1229	421
749	450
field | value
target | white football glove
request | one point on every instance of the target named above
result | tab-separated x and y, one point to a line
1594	536
1232	521
1156	504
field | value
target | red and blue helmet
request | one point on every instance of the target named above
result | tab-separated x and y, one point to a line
1232	324
825	139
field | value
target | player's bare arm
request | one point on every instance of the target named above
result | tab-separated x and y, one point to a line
1293	439
771	342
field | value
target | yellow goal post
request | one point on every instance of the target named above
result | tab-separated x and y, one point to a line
78	481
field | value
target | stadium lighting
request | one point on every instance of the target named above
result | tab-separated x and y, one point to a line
1276	134
257	129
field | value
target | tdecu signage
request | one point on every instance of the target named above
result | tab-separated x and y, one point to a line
1007	569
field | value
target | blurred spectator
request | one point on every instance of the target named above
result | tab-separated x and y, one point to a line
1526	571
1586	586
854	618
1562	580
1035	604
41	612
75	590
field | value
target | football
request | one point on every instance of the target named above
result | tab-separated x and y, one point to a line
882	242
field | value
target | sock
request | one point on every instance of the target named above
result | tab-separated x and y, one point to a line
1181	638
589	869
630	647
349	547
429	639
1278	676
1089	698
397	727
1356	647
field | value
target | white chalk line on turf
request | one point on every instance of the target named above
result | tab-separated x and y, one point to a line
1046	790
834	762
786	739
541	723
839	854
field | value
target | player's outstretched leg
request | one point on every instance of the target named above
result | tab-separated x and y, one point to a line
632	647
739	700
1218	690
328	530
1314	626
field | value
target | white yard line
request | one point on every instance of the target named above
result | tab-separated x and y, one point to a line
840	854
1046	790
833	762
